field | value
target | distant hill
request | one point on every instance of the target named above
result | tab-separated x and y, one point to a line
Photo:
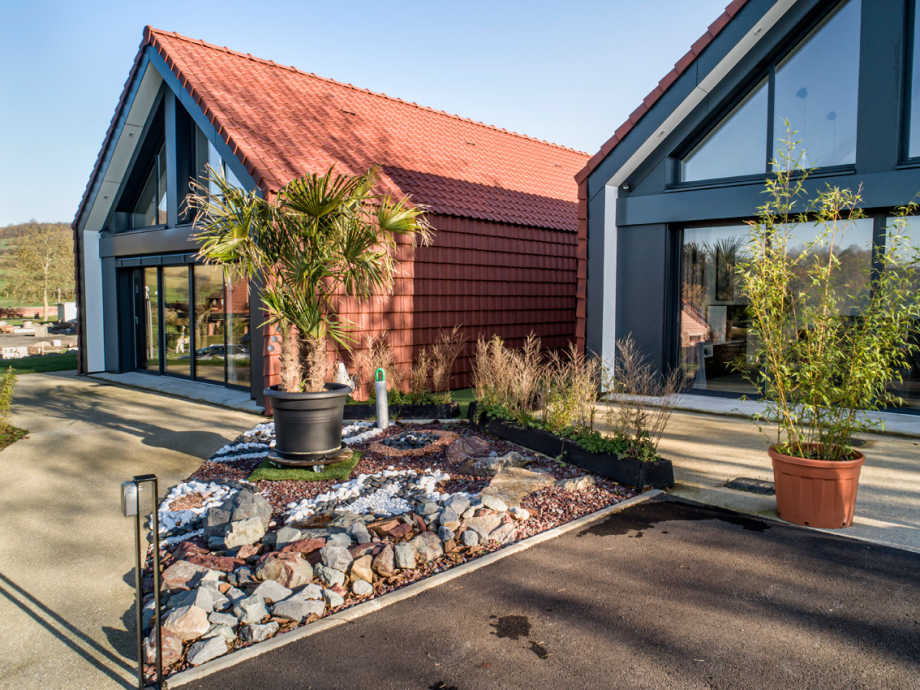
10	236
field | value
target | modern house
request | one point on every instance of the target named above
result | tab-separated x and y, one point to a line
503	205
662	205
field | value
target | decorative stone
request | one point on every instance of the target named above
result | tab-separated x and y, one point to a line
242	532
227	619
206	649
519	513
183	575
457	503
493	502
206	597
258	633
504	533
405	555
241	576
468	513
298	609
360	533
339	539
466	447
234	595
222	630
187	622
384	562
248	551
585	481
483	525
172	648
287	535
304	546
311	591
514	483
361	569
288	569
470	538
336	557
333	599
272	590
362	588
445	533
251	609
329	576
428	508
428	546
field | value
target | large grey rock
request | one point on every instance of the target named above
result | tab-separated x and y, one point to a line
333	599
445	533
405	555
449	518
457	503
585	481
183	575
360	533
340	539
287	535
362	588
206	597
272	591
329	576
493	502
206	649
258	633
227	619
483	525
384	563
428	546
221	630
336	557
288	569
234	595
512	484
242	532
470	537
428	508
504	533
248	503
250	610
187	622
298	609
241	576
311	591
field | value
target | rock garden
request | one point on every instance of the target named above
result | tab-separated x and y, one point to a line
250	551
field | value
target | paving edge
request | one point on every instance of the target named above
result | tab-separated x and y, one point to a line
179	396
407	592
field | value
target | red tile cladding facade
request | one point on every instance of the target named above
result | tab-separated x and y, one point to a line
491	278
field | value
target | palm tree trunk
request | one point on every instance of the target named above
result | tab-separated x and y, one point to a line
291	366
317	363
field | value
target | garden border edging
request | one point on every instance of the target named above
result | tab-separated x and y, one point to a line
359	610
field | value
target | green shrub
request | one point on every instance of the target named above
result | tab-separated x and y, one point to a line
7	386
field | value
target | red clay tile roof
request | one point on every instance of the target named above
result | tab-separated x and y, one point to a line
666	82
282	123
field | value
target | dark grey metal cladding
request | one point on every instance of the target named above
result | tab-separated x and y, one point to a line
153	241
654	209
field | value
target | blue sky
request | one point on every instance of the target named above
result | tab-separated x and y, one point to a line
569	72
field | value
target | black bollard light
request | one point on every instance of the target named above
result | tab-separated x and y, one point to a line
139	495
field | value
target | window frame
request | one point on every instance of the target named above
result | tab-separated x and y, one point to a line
765	72
912	18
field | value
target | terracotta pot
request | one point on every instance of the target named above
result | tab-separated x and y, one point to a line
817	493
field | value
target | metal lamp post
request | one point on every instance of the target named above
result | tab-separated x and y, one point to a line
136	494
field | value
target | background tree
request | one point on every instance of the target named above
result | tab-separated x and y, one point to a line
41	264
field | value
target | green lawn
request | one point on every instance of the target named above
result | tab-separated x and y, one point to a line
60	361
270	471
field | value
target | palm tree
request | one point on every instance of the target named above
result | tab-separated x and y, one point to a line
318	237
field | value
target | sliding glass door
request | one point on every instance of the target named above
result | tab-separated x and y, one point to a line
192	321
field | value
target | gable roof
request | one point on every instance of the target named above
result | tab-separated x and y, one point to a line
282	123
664	84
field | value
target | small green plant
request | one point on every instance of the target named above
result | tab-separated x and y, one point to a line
829	346
570	382
7	387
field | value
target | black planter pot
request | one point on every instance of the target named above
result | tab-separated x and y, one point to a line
441	411
535	439
308	425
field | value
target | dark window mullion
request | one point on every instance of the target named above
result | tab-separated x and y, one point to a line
771	102
192	330
226	333
161	336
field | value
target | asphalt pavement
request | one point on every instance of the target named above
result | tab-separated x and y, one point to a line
668	594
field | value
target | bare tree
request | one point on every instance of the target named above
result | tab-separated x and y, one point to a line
42	264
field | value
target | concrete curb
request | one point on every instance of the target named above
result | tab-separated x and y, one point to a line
192	674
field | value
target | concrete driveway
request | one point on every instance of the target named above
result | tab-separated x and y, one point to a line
65	551
666	594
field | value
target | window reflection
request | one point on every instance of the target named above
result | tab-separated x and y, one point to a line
909	388
913	144
151	321
210	347
238	339
816	90
176	314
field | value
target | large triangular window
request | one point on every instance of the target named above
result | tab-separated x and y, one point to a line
813	87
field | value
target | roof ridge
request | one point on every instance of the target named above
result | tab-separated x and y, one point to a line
249	56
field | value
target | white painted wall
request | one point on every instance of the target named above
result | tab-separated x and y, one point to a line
92	294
